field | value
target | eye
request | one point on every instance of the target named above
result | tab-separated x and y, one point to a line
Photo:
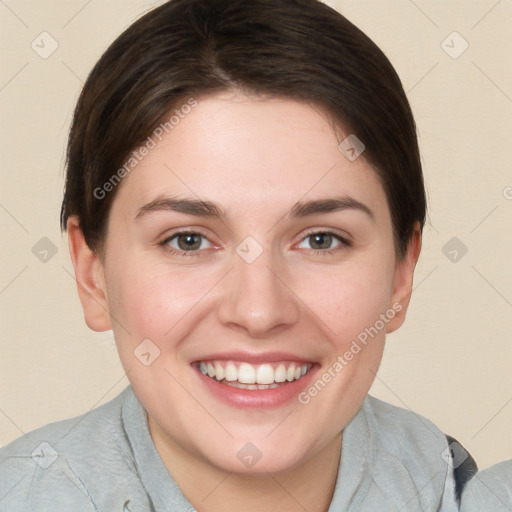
324	242
185	241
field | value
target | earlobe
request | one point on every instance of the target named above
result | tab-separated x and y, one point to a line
404	273
89	275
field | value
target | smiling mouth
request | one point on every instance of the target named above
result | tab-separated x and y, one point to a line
248	376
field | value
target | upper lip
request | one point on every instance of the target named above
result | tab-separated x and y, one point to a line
254	358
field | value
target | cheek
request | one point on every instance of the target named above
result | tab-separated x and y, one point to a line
348	298
152	309
152	301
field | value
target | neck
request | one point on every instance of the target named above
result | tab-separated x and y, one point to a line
309	486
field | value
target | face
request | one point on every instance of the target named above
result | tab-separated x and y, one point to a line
246	246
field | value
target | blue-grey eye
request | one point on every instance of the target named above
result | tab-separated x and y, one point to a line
187	241
321	240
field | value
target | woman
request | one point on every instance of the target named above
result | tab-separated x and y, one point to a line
244	203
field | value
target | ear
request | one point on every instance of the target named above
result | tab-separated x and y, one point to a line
90	278
404	272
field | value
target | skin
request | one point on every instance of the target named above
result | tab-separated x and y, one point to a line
255	158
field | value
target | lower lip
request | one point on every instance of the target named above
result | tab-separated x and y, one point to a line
257	398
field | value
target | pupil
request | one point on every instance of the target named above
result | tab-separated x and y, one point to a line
189	241
323	240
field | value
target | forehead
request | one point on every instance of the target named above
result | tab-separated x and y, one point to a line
252	153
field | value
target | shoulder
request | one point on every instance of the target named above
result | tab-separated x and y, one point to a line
411	451
71	435
47	464
407	437
403	429
489	490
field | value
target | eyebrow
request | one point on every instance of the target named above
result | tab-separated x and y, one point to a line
333	204
300	209
181	205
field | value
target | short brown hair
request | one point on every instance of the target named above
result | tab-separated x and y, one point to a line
298	49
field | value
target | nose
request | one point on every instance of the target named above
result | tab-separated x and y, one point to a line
257	299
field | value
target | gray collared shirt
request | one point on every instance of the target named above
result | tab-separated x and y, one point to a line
105	461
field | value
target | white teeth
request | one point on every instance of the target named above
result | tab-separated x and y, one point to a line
231	372
264	374
247	376
280	373
219	371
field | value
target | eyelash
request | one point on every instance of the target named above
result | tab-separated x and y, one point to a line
344	243
175	252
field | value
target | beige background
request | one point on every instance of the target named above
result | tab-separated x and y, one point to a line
450	362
